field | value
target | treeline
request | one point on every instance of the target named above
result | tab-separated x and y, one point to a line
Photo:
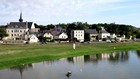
119	29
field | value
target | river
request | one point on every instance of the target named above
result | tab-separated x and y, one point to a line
121	65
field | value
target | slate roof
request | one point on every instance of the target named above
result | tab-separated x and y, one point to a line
21	25
104	31
91	31
57	31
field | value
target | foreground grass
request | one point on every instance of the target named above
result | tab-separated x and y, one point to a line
11	55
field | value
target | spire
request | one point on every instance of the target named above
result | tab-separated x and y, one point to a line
20	19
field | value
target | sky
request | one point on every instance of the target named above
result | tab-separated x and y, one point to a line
45	12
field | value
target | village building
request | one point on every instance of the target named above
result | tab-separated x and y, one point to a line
33	39
55	34
103	33
48	35
78	34
92	34
113	35
58	33
21	30
63	35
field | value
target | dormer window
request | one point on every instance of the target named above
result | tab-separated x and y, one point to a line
16	26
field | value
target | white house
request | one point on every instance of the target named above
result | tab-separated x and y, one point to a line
103	33
121	38
63	36
48	35
33	39
113	35
79	34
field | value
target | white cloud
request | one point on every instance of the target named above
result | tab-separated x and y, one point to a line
52	5
59	10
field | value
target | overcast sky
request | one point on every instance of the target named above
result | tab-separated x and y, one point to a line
67	11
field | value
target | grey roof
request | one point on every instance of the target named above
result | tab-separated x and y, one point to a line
57	31
104	31
91	31
30	33
21	25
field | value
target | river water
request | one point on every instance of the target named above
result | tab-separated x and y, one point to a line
121	65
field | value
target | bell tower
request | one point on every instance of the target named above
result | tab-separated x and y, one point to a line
20	19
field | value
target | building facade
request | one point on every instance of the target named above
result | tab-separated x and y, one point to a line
78	34
48	35
103	33
20	30
63	36
92	34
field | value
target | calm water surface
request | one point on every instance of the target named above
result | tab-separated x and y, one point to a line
122	65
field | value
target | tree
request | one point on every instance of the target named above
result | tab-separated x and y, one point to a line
2	33
64	26
81	26
70	28
50	26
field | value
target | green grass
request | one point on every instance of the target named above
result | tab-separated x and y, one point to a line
11	55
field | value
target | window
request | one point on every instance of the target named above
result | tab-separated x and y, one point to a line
11	34
16	30
11	30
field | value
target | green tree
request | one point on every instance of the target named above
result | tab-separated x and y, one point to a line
64	26
2	33
69	29
81	26
50	26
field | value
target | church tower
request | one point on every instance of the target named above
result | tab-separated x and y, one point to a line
20	19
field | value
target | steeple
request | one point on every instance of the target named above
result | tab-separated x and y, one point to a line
20	19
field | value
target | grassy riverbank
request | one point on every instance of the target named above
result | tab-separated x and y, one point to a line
11	55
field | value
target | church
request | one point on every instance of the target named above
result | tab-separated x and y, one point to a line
21	30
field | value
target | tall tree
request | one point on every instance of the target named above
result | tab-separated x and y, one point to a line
2	33
69	29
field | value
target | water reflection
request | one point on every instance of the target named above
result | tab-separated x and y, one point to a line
97	66
138	53
113	57
22	68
